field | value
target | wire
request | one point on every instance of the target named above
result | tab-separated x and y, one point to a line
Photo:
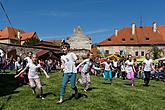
7	16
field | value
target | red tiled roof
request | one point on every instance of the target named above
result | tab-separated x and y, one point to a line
27	35
11	33
54	41
143	35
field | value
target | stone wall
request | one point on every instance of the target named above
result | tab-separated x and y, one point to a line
13	50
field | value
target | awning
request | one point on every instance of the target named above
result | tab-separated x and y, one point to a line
41	53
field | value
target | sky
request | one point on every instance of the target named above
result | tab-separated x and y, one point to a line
56	19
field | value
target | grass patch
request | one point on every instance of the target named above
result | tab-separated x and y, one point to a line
101	96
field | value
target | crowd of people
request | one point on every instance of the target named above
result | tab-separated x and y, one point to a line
27	70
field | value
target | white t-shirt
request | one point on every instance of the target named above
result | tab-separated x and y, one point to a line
107	66
129	66
115	64
147	64
87	65
29	60
17	65
33	70
122	68
69	62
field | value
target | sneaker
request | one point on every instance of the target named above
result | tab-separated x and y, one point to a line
85	90
41	97
60	101
33	91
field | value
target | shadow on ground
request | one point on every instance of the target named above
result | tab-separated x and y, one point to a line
7	84
78	97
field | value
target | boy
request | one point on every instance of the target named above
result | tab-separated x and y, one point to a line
68	65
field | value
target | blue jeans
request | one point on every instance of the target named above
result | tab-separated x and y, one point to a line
107	74
68	77
160	74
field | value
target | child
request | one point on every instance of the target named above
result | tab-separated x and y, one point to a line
123	73
18	67
108	70
130	69
147	67
68	64
34	79
87	65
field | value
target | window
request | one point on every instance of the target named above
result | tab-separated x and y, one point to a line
109	39
106	51
136	53
142	53
123	39
147	38
131	39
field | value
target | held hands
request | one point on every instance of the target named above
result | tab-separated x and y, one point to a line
16	76
47	76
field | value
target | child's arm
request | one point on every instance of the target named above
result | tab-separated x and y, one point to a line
82	63
21	71
96	68
133	68
45	72
152	67
111	67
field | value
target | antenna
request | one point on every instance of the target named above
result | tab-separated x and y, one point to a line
141	22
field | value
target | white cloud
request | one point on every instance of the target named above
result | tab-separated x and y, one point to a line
54	13
52	37
98	31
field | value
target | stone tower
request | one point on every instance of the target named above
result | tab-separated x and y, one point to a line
78	40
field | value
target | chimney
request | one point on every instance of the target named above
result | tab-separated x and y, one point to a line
154	29
133	28
18	34
116	32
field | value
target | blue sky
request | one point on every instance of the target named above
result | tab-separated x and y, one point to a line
55	19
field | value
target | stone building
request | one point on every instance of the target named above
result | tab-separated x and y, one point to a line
133	40
78	40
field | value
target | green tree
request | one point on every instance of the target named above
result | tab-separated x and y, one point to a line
30	42
157	52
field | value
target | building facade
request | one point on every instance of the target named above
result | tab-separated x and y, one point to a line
133	40
78	40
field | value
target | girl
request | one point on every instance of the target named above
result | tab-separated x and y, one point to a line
18	67
87	65
108	70
129	67
34	79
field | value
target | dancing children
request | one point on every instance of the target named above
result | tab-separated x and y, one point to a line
27	60
147	67
122	69
129	68
34	79
18	68
108	70
68	64
115	66
87	65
